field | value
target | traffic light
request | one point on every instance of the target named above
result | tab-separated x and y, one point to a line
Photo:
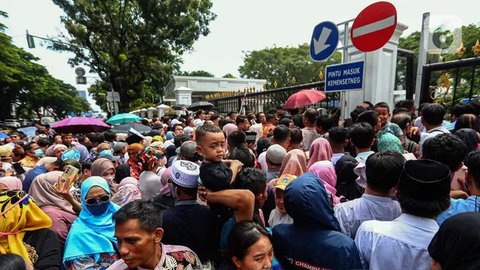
30	41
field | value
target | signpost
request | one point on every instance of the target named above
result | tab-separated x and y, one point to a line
374	26
113	98
324	41
344	77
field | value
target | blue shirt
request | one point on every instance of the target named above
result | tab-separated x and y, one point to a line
36	171
457	206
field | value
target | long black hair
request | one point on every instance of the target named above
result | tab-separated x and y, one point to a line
244	235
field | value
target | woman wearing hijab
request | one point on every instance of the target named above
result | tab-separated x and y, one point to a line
165	199
320	150
134	150
10	183
294	163
104	168
149	181
314	239
325	171
229	128
390	142
127	191
346	178
53	204
91	243
456	245
24	231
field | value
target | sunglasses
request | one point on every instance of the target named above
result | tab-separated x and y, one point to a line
93	201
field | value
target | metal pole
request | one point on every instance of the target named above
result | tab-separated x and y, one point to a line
113	102
455	86
343	98
422	56
472	84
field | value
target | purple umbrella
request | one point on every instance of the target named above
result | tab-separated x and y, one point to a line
80	125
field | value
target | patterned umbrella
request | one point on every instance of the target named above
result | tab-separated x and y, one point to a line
123	118
304	98
80	125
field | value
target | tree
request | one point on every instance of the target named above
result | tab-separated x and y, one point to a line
284	65
196	73
470	34
29	86
132	45
229	76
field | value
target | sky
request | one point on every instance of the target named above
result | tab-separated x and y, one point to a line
240	26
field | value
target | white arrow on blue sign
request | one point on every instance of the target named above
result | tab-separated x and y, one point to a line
324	40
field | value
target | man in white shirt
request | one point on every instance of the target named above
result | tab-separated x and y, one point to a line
382	171
281	136
338	140
432	119
423	193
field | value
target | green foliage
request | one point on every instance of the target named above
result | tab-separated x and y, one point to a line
29	85
229	76
470	34
133	45
196	73
281	64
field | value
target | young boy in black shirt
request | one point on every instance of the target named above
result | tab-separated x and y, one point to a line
216	174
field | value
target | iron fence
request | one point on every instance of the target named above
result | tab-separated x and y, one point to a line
263	101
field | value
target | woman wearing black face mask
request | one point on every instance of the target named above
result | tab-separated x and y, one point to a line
91	242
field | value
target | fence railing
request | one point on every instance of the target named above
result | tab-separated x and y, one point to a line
263	101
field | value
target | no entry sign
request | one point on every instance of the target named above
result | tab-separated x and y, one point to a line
374	26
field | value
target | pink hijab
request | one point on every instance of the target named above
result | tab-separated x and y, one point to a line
100	167
127	191
325	171
295	163
164	188
11	182
44	194
320	150
229	128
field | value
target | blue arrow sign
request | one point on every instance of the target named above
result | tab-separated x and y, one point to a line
324	41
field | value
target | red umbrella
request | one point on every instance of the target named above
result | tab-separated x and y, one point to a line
304	98
80	125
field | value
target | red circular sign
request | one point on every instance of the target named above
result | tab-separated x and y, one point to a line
374	26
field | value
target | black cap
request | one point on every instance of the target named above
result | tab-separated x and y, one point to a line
425	180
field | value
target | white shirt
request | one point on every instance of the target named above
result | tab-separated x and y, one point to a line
336	157
262	159
351	214
309	135
398	244
278	218
430	134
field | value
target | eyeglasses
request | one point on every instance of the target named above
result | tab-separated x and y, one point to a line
93	201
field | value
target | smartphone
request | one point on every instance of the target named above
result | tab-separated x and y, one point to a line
68	173
19	170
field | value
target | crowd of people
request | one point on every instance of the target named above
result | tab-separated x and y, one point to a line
387	188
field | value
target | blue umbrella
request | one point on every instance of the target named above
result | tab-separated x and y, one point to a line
29	131
123	118
3	135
